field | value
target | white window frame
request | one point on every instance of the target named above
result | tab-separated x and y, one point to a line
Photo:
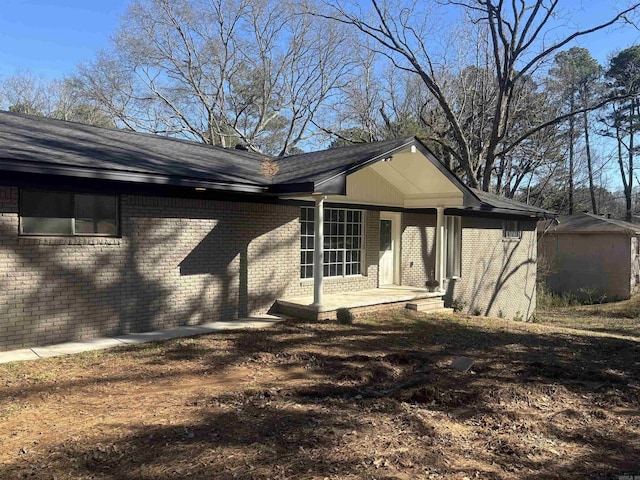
336	257
511	230
453	246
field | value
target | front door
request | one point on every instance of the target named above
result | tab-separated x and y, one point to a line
386	264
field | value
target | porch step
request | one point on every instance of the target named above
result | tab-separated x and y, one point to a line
360	303
429	305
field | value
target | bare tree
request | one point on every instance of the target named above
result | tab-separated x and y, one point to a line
221	71
520	38
575	81
24	92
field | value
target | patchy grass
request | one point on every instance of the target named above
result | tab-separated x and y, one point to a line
372	400
619	318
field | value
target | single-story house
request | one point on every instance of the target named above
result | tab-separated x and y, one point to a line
590	256
105	231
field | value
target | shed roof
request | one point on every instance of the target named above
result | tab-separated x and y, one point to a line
584	222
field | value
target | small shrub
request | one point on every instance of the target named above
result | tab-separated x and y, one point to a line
477	312
588	294
500	313
432	284
591	296
518	317
457	305
344	316
547	299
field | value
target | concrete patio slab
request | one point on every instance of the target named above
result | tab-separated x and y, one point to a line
393	296
68	348
364	298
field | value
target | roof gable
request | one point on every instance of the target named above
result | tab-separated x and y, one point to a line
323	165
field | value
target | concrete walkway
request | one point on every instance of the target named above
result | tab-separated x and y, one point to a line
69	348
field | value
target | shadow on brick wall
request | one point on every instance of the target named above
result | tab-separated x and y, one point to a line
489	282
223	254
75	288
71	289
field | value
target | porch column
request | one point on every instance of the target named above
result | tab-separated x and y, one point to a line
440	252
318	250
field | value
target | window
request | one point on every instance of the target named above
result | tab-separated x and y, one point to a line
453	246
511	229
343	242
63	213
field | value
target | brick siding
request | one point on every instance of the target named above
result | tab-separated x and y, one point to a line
189	261
178	262
498	275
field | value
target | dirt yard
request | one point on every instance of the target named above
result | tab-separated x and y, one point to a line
375	400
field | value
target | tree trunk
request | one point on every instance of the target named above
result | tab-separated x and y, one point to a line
623	176
629	212
594	207
571	153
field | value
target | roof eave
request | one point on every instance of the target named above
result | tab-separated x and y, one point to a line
484	208
131	177
295	188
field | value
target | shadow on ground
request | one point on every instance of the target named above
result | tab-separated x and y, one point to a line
374	400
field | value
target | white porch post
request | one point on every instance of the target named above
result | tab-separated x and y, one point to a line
440	252
318	250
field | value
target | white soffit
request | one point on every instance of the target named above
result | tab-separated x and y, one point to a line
408	179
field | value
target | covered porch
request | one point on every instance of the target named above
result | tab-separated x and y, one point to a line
380	220
382	298
390	179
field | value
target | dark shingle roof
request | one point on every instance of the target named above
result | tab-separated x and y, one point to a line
589	223
42	145
46	142
323	165
506	205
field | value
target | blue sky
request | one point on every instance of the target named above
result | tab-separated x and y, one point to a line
50	37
